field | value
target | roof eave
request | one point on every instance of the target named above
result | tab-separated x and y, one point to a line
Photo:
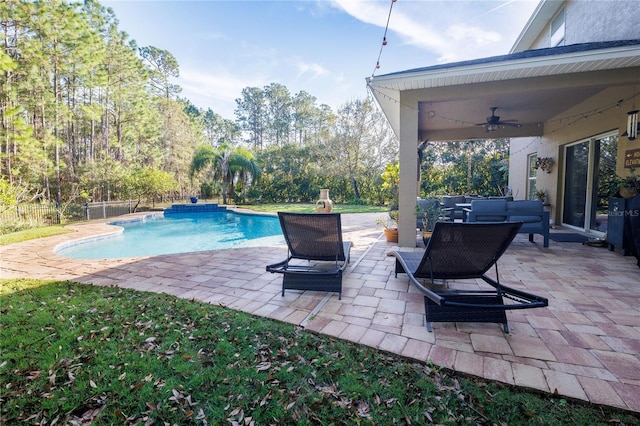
539	66
539	19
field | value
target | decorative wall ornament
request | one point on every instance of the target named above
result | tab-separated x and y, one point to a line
544	163
632	125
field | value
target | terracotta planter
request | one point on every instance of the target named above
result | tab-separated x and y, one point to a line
425	236
391	235
628	192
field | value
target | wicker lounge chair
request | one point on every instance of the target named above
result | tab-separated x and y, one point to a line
317	255
459	251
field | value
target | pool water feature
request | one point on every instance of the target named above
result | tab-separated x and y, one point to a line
157	234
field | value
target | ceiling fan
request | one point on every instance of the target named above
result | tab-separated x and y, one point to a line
494	122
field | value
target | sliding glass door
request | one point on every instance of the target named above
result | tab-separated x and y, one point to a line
589	167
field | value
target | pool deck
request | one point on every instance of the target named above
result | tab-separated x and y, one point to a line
584	345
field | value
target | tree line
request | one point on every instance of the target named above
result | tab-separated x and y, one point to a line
88	115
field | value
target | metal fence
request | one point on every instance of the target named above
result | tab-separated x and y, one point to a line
49	214
104	210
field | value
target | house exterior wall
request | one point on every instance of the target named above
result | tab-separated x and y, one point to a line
585	21
588	21
600	117
591	98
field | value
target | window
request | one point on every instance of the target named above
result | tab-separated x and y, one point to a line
531	177
557	30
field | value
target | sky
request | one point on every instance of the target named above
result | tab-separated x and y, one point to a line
326	48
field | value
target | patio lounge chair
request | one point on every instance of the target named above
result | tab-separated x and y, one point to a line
316	256
459	251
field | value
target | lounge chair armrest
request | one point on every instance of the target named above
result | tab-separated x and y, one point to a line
407	268
433	296
278	267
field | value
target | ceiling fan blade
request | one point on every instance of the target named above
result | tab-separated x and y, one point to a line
502	123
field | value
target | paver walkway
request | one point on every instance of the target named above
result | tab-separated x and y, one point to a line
585	345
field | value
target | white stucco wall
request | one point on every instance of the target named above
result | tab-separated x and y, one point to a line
604	20
587	21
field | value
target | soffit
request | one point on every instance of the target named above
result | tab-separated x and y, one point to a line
529	88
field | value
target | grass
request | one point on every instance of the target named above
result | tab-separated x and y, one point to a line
30	234
73	353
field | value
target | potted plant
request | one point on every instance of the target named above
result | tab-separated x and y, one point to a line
541	194
629	186
390	226
429	212
391	185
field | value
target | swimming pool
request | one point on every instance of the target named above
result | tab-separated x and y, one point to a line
156	234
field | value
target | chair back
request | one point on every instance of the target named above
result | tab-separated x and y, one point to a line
313	236
465	250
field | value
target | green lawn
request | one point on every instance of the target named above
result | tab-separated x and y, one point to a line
73	353
310	208
30	234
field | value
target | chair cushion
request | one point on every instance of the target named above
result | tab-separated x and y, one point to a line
526	219
450	201
481	207
527	205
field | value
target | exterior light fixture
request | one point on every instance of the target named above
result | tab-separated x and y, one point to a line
632	125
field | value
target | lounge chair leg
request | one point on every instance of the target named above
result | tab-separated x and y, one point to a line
429	329
505	327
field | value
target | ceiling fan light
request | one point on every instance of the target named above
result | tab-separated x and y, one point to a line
491	128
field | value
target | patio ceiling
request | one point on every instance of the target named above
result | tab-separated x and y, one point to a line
531	88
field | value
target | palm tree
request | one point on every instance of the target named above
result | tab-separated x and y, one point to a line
246	168
226	164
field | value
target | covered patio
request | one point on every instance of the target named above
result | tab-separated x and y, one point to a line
545	99
584	345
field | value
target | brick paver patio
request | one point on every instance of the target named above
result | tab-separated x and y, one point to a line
585	345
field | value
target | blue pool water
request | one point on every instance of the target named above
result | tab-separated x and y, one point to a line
180	233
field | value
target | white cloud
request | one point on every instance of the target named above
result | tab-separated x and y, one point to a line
371	12
216	90
476	35
451	30
315	70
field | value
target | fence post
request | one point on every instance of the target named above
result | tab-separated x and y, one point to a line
87	214
129	206
104	210
58	215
